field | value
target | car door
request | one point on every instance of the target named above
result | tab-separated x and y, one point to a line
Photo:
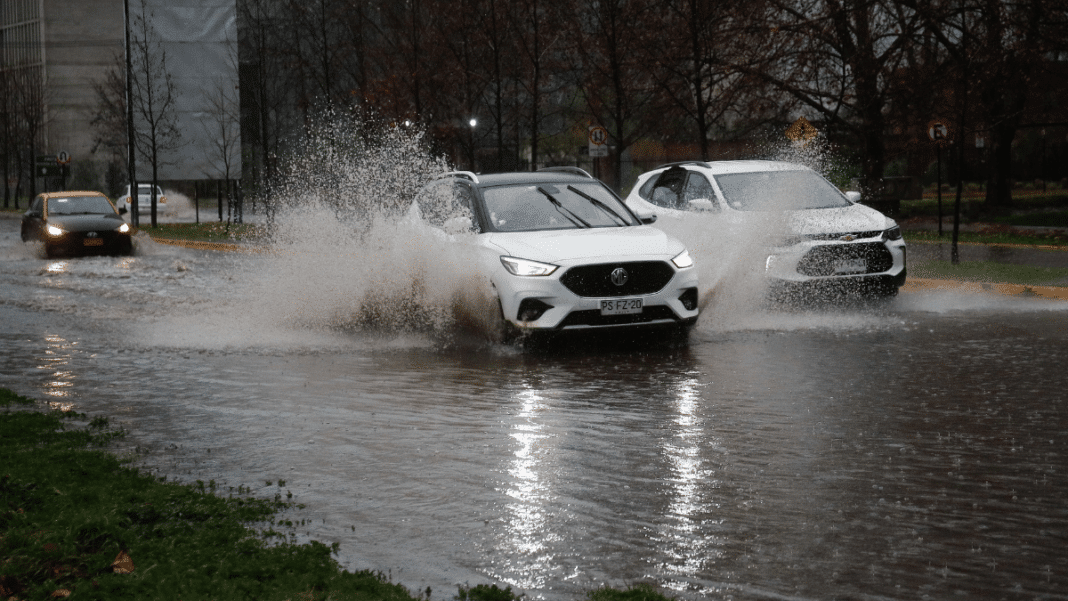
33	220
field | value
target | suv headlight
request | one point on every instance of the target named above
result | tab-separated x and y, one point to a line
55	231
526	267
683	260
124	228
893	233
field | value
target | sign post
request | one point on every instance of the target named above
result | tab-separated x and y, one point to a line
938	132
598	141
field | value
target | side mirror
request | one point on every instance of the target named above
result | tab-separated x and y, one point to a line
702	205
853	196
647	218
122	210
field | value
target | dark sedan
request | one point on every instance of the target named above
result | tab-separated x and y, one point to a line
77	223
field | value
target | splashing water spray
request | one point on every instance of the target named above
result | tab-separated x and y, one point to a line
345	255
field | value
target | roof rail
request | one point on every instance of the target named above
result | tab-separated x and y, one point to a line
568	169
681	163
464	174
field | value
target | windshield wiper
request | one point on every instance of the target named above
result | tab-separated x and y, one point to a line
600	205
566	212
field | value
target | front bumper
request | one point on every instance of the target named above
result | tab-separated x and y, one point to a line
836	262
547	303
80	243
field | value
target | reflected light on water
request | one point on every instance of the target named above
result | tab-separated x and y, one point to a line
57	267
683	536
56	359
527	525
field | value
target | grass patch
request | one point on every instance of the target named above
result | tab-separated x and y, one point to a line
72	516
1042	219
973	203
213	231
990	272
993	236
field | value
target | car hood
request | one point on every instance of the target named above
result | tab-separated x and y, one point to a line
566	246
85	223
855	218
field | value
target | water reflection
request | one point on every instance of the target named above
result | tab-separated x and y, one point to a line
529	492
56	358
57	267
683	538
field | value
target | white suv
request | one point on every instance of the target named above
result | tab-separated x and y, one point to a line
144	198
562	252
827	240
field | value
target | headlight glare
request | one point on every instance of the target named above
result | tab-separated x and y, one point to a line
55	231
525	267
124	228
683	260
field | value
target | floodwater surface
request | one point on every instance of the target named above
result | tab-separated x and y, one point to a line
914	449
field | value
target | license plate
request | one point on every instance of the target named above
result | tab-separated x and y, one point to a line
621	306
93	241
850	266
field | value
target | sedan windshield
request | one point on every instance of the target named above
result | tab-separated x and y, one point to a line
76	205
779	191
529	208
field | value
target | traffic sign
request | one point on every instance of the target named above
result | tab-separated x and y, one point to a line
63	157
801	130
598	141
938	131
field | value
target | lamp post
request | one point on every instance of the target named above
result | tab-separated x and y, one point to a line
134	216
471	138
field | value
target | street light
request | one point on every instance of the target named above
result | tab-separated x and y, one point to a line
473	122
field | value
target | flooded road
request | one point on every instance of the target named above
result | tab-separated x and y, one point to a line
912	450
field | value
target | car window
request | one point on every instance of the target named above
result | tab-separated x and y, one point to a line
779	191
77	205
38	205
530	207
447	201
667	191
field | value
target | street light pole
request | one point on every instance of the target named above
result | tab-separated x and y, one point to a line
473	122
132	160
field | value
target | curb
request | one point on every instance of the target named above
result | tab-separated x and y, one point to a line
203	245
1017	290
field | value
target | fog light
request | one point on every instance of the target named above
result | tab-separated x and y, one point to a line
689	299
531	309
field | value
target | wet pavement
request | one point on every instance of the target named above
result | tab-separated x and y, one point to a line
915	449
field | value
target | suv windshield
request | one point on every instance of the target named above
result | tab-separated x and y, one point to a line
779	191
529	208
74	205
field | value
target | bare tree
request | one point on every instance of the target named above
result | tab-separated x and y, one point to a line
222	124
154	98
613	40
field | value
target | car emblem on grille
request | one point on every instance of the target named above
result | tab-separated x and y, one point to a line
848	238
619	276
91	235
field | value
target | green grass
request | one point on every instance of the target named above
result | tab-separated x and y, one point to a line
1002	236
990	272
973	203
1042	219
68	508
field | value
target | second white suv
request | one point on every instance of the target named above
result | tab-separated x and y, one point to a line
812	234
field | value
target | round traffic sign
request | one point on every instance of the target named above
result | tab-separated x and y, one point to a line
598	135
938	132
63	157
